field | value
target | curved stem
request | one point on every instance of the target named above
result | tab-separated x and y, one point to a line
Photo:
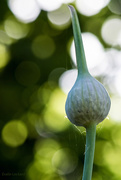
80	55
89	152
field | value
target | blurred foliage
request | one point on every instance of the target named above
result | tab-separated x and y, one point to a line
37	141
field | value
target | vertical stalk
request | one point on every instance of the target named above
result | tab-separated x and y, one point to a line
89	152
82	69
80	55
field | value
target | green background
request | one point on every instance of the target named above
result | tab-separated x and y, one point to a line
37	140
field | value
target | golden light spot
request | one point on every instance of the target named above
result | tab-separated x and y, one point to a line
14	133
54	115
4	56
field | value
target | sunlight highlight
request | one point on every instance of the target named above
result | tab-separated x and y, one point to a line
111	31
67	80
51	5
115	6
117	82
113	72
15	29
94	52
60	18
90	7
115	112
25	10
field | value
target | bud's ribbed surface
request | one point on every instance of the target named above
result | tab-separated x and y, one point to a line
87	101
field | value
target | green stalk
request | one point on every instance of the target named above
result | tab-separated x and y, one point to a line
80	55
89	152
82	69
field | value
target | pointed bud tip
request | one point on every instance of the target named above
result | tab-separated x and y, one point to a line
71	7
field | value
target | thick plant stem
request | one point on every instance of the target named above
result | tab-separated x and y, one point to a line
89	152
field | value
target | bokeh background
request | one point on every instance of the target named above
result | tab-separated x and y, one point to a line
37	69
